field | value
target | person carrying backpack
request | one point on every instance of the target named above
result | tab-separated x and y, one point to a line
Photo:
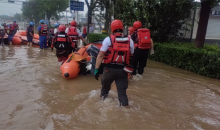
62	44
43	32
143	43
116	53
74	33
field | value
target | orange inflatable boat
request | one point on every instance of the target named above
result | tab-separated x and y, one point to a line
16	41
71	67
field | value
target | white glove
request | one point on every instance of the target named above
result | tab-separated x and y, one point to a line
151	51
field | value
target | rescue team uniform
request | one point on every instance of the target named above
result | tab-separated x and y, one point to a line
43	32
74	34
30	30
118	50
11	33
62	44
142	40
16	27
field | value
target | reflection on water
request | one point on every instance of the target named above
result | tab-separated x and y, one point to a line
33	95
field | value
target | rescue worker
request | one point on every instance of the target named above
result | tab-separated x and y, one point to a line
43	32
30	33
143	43
15	26
56	28
62	44
74	33
10	34
2	34
130	31
50	37
116	53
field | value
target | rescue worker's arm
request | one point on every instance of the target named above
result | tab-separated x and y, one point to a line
99	59
152	47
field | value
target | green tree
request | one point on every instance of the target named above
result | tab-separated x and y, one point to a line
104	12
18	17
206	6
164	18
36	9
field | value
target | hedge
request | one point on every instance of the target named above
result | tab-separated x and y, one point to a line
205	61
96	37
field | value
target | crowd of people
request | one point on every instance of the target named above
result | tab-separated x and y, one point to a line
10	30
121	54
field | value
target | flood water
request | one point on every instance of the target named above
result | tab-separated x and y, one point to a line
34	96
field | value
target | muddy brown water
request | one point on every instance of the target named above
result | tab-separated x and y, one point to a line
34	96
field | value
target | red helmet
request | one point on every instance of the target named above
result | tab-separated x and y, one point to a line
62	28
116	24
137	25
131	29
73	23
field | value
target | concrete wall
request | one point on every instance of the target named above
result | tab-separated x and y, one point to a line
213	29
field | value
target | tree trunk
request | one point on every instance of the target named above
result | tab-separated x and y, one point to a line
89	20
203	23
107	6
49	19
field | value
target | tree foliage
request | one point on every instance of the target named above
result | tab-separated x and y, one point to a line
104	11
164	18
36	9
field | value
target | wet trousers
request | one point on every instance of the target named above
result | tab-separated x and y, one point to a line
43	42
121	79
140	59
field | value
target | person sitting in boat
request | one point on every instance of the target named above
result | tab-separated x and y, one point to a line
30	33
62	44
74	33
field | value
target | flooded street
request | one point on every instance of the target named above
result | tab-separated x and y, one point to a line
34	96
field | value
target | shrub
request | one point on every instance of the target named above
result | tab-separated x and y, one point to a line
96	37
205	61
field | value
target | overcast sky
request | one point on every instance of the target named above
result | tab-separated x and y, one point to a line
11	9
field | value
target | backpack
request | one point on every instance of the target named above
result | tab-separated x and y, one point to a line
61	42
143	38
43	29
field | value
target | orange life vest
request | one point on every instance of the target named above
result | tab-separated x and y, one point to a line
143	38
72	33
119	51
